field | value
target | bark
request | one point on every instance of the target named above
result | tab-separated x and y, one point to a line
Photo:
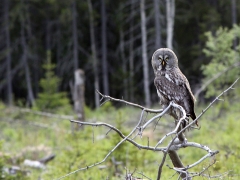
178	164
234	21
59	48
78	94
74	35
157	25
8	56
170	6
25	59
144	54
94	53
124	65
34	48
131	54
104	49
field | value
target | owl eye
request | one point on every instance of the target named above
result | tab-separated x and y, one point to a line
166	58
159	58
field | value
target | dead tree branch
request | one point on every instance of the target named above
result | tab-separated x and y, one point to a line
175	143
129	103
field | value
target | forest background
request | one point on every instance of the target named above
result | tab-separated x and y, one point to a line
43	42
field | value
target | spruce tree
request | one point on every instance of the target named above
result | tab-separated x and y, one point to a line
50	98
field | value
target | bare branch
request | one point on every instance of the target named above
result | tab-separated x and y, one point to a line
175	143
155	117
129	103
210	105
139	146
110	152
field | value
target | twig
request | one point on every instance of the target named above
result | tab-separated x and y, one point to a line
199	161
161	165
175	131
172	146
210	105
139	146
129	103
124	139
155	117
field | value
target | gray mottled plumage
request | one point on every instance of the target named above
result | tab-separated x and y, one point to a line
171	84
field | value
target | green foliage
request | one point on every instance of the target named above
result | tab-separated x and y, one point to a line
50	98
74	150
224	59
4	175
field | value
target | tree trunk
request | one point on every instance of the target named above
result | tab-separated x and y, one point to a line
8	56
178	164
94	53
170	21
34	55
75	35
144	54
131	55
78	94
58	49
104	49
157	25
124	65
25	60
234	21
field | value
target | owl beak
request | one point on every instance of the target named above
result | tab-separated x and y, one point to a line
163	63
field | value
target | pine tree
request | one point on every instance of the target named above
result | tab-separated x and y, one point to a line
50	98
223	68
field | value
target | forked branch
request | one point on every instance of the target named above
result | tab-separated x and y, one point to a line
171	148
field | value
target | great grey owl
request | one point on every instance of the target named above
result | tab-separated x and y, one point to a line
171	84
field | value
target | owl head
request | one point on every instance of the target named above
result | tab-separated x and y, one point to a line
164	59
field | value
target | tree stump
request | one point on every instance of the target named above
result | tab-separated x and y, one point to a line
78	94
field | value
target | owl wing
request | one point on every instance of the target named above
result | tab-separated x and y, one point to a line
175	87
178	78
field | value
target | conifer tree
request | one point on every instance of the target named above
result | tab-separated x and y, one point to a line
50	98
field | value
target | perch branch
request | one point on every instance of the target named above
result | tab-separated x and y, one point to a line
175	131
172	153
172	146
210	152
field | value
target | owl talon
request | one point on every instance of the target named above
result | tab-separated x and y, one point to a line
178	141
140	131
184	142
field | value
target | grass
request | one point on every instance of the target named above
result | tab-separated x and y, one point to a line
30	136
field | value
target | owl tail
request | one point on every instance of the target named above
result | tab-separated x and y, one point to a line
193	116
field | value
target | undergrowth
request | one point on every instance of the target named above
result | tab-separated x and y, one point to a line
30	136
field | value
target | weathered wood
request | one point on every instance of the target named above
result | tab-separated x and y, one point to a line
177	163
78	94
